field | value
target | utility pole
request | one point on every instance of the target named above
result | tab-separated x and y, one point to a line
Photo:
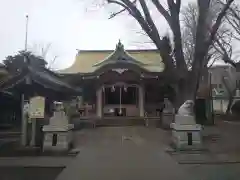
211	98
24	117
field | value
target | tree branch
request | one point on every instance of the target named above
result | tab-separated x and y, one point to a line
226	58
217	24
149	20
178	5
161	9
141	20
117	13
203	44
120	4
234	24
134	12
177	36
212	62
171	6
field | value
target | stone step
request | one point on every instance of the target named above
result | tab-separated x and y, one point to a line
121	122
117	121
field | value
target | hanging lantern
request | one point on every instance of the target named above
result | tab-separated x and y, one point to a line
113	88
120	101
120	111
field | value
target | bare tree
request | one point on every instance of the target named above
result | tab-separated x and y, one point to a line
230	34
43	50
223	37
233	19
189	21
231	90
175	63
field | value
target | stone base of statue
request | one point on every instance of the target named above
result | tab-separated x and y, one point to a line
186	134
57	138
58	135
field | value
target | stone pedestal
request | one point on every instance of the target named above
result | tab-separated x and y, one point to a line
58	134
57	139
186	134
167	119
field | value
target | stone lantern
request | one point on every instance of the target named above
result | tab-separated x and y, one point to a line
58	134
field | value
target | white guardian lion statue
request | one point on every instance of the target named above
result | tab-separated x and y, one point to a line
187	108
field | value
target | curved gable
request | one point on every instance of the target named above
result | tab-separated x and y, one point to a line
119	56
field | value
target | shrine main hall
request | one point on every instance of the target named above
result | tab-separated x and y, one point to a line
124	83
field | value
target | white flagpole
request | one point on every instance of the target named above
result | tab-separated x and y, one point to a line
24	118
26	35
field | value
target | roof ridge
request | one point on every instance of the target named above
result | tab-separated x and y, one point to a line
111	50
119	55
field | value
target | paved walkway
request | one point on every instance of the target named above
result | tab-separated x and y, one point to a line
35	161
123	153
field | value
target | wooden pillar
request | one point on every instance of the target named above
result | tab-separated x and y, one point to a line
141	99
24	123
33	135
99	103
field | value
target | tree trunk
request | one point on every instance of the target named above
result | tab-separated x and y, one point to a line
187	87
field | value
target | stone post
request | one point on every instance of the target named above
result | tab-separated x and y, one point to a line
141	100
99	103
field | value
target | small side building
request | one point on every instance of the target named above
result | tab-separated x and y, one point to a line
28	82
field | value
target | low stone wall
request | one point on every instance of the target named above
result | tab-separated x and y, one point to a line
226	117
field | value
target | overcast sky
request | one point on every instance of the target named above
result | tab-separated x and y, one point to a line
66	24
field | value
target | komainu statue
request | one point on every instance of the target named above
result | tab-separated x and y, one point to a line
187	108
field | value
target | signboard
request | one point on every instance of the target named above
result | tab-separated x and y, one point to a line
26	108
36	107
